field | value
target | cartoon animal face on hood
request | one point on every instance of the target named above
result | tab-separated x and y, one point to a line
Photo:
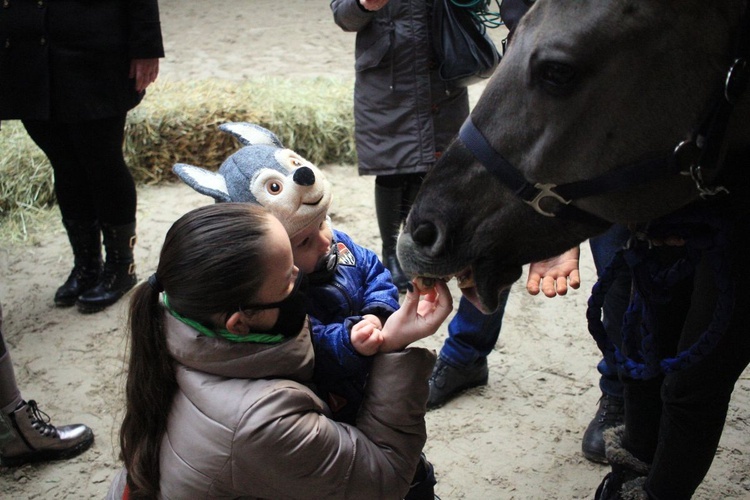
264	172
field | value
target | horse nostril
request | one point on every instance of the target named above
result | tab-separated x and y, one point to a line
304	176
425	234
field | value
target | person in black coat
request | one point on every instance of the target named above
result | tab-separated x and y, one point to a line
70	70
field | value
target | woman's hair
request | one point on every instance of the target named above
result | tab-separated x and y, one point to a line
210	263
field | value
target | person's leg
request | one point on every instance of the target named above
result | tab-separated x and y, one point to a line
462	362
609	413
79	215
695	400
99	146
389	197
25	432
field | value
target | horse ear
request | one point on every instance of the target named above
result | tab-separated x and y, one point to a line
249	134
204	181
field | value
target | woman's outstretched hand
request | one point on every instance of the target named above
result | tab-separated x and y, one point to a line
420	315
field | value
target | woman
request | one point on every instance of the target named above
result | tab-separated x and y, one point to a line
217	404
71	70
404	114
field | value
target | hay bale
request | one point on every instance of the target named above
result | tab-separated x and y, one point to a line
178	122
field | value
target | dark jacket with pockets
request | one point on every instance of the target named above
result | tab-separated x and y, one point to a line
68	60
404	114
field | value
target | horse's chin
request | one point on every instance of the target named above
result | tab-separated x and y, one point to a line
483	289
490	282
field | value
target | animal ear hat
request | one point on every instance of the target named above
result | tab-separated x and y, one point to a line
266	173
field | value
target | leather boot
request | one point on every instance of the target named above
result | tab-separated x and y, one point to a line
389	212
118	275
84	237
609	414
27	436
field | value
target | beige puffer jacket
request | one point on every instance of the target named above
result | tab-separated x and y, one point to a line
244	425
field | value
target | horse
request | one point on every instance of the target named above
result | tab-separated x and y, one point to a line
602	113
587	88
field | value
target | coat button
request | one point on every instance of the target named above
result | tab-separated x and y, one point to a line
40	3
7	43
6	4
42	41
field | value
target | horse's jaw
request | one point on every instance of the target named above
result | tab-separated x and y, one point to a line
481	280
490	281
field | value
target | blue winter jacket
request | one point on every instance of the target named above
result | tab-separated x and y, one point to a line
361	285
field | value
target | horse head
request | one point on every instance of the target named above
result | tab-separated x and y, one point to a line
593	117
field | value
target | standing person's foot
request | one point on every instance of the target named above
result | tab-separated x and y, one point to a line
609	414
27	436
447	380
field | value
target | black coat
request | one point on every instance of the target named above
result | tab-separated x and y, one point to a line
68	60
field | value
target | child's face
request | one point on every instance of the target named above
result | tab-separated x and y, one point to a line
311	245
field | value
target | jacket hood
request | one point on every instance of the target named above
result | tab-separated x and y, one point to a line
293	359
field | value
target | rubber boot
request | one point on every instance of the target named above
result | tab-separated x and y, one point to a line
389	212
27	436
85	240
118	275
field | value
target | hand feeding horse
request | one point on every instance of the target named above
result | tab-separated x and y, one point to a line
601	112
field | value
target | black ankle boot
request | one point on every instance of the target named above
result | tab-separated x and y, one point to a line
84	237
118	275
609	414
389	212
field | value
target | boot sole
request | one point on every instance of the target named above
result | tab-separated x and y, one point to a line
66	303
90	309
47	456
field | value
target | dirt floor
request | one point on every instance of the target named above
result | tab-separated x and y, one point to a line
517	438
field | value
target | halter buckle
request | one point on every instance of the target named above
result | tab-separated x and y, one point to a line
545	191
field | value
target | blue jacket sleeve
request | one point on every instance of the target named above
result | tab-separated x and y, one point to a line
334	354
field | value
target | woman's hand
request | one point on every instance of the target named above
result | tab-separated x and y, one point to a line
144	71
373	5
421	314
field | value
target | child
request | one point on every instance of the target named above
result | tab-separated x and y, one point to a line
220	353
350	291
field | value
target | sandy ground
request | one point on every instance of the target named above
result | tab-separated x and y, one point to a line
517	438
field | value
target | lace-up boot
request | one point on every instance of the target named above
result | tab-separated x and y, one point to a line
85	240
27	436
608	415
447	380
118	275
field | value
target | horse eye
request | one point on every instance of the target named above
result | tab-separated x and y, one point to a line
557	78
274	187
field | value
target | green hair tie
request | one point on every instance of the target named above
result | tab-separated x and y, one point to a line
258	338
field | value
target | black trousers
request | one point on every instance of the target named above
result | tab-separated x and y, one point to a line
675	421
92	181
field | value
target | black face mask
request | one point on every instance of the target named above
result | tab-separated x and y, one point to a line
292	310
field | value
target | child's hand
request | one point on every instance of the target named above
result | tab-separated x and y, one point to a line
366	337
421	314
376	322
